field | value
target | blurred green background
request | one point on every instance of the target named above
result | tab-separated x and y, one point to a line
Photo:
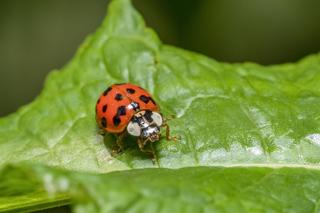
38	36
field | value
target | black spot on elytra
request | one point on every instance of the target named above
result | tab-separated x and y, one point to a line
104	122
121	110
148	115
118	97
144	99
151	99
116	120
98	101
107	90
104	108
130	91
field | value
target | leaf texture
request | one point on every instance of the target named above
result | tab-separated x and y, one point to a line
239	118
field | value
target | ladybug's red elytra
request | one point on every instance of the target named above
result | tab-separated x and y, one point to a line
127	108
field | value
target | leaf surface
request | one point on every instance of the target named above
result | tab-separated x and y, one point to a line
227	114
190	189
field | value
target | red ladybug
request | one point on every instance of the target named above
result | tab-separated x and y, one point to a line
127	108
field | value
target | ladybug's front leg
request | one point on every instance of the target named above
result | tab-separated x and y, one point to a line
168	137
142	144
169	117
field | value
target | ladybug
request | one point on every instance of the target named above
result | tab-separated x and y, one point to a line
127	108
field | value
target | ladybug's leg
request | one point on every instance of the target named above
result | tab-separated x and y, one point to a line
155	157
101	132
168	137
170	117
119	142
142	144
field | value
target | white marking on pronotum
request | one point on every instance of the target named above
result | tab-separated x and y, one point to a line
157	118
134	129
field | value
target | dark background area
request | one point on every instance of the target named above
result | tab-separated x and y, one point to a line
37	36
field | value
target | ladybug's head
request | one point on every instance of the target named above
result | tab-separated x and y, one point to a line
146	124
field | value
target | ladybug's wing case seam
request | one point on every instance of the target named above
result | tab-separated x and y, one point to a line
140	96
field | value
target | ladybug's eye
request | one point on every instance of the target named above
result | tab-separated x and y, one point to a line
134	129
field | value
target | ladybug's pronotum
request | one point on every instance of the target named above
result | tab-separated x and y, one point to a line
127	108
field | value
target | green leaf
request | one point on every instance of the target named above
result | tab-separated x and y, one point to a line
227	114
191	189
